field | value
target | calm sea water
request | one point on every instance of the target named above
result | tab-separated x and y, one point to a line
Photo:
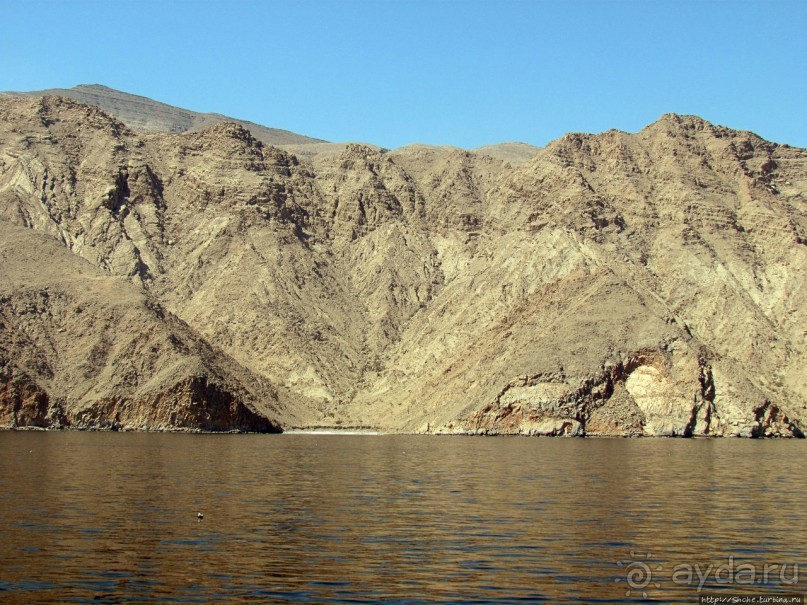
111	517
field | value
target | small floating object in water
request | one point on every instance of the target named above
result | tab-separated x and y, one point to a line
200	516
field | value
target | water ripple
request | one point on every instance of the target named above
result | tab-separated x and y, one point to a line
110	518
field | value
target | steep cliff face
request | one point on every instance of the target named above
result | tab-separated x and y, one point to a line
614	284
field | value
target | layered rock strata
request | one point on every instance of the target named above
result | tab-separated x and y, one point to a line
613	284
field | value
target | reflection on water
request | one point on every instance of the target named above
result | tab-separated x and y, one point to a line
111	517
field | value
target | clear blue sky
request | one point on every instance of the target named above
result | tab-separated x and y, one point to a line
459	72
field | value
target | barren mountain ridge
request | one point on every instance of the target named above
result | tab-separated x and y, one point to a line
611	284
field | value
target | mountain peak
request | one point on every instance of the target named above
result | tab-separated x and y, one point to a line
145	114
617	284
95	87
684	119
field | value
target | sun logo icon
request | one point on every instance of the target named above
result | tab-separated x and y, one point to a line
638	574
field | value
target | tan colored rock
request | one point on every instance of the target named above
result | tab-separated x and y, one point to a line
613	284
80	348
142	113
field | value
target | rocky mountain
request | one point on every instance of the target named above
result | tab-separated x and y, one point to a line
142	113
612	284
